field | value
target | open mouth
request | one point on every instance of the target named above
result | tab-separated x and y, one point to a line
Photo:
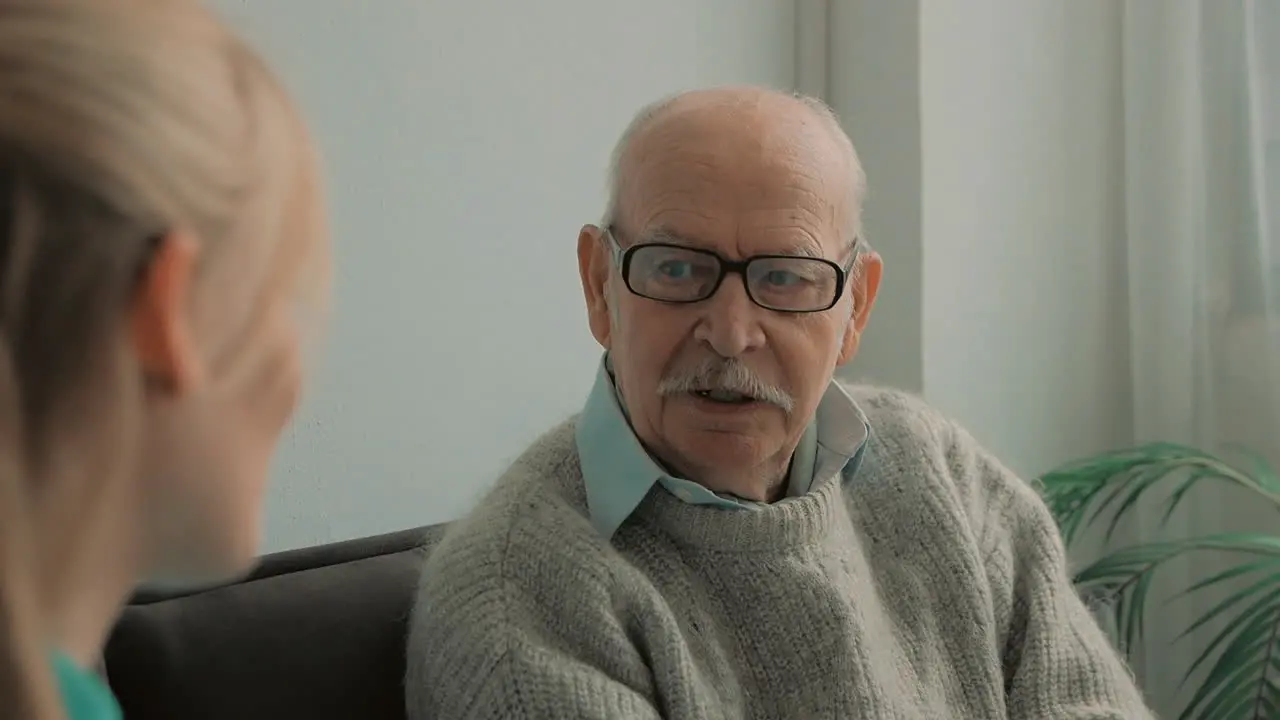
726	397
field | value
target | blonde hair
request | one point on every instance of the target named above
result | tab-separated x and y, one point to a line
122	121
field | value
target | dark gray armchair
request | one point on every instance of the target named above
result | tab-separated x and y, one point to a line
315	633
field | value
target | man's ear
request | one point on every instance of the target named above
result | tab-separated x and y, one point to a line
593	267
864	287
160	319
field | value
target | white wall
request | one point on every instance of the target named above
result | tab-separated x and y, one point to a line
991	133
466	144
1024	295
873	83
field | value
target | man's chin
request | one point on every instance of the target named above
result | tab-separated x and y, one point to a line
701	415
726	452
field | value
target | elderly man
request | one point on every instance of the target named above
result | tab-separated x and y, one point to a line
726	532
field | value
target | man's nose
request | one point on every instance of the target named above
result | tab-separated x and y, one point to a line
730	322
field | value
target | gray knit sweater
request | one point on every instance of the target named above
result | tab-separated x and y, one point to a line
932	584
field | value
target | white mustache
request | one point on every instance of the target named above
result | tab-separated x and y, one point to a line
729	375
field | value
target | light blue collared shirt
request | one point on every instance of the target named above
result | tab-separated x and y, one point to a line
618	472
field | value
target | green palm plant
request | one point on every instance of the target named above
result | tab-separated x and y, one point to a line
1240	665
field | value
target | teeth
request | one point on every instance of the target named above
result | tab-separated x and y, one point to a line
724	396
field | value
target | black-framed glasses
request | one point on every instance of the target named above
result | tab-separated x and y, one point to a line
673	273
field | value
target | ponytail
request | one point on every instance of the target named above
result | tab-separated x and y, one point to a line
26	679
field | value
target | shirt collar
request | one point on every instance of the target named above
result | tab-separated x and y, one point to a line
616	469
618	472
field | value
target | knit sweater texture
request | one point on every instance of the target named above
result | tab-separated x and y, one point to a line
930	584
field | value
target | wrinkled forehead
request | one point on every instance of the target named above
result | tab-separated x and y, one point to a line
737	193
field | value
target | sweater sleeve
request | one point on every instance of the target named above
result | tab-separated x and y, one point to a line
1058	663
504	628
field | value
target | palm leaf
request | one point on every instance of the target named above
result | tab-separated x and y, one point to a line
1245	649
1080	493
1259	469
1241	663
1123	578
1245	675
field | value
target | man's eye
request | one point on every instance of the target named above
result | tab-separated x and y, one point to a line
782	278
675	270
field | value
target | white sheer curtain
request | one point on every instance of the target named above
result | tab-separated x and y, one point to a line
1202	160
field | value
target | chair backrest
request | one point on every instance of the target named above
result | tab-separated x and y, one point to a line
314	633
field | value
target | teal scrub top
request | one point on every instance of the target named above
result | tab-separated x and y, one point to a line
84	695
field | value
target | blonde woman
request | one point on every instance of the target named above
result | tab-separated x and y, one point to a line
159	223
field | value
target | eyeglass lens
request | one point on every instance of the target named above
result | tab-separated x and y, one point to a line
673	274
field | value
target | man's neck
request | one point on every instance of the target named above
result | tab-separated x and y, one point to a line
765	483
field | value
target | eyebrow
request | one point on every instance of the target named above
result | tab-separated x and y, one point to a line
664	234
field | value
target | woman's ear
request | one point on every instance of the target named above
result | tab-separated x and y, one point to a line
160	316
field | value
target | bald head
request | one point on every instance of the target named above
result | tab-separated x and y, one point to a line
757	131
